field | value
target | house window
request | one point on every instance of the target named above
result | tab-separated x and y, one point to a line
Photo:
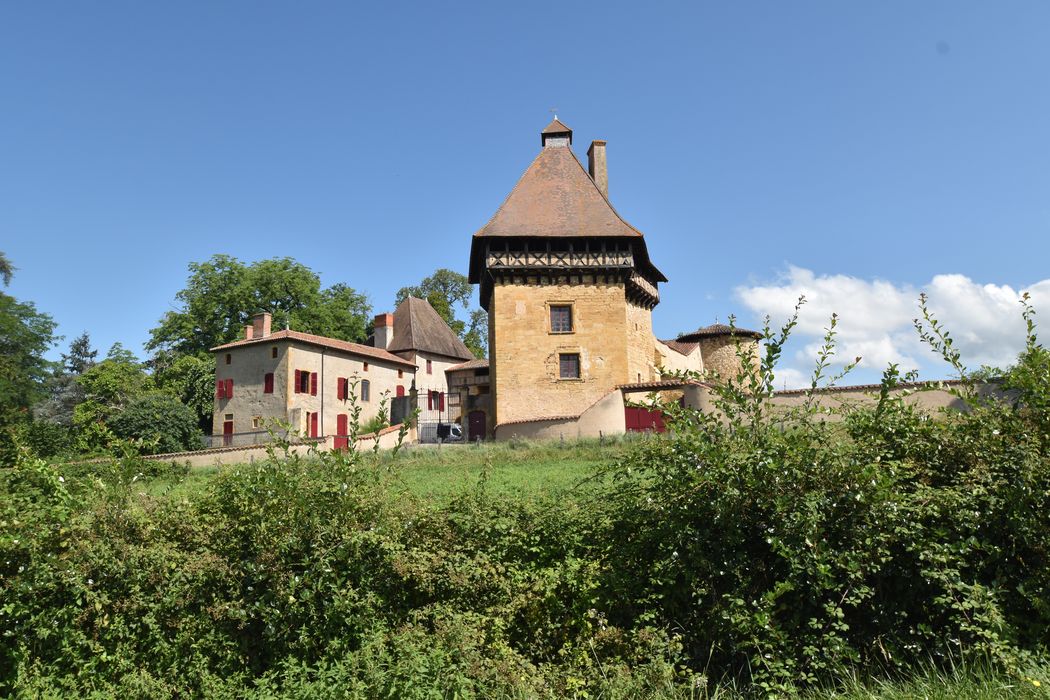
435	401
569	366
365	365
561	318
430	367
273	352
268	383
257	422
305	383
366	390
229	358
401	374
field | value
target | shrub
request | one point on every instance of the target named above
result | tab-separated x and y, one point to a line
161	422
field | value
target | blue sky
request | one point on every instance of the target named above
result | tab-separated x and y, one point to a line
876	147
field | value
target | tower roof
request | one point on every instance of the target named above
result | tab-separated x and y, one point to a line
715	330
417	326
556	198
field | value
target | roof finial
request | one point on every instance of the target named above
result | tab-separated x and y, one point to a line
554	111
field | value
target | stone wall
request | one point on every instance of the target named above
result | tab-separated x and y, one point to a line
641	350
525	354
223	456
720	354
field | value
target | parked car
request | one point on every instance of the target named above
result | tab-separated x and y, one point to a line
449	432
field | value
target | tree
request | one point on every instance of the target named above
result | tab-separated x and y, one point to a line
160	421
443	290
223	293
191	380
80	357
25	335
7	270
64	392
109	388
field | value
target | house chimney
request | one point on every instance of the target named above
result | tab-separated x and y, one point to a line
261	325
248	332
384	330
596	166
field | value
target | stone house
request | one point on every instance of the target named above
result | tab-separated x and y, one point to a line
570	289
308	381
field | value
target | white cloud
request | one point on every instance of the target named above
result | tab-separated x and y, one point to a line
875	320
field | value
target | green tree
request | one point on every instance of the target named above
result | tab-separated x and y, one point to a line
64	392
191	380
7	270
223	293
81	356
109	387
25	335
444	290
160	421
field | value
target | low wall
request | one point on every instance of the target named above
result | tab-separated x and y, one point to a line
220	456
604	417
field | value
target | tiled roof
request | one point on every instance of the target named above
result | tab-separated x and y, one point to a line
680	347
717	329
418	327
932	384
321	341
659	384
538	419
556	198
472	364
556	127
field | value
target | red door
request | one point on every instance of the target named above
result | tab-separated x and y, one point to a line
227	433
313	425
476	425
640	420
341	440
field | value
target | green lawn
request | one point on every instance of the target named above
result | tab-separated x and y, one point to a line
441	473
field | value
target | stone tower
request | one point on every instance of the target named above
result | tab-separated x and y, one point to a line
568	285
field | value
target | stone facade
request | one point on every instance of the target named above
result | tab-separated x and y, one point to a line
251	409
527	353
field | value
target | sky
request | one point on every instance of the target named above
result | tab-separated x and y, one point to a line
857	153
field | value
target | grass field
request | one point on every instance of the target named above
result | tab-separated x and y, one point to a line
439	473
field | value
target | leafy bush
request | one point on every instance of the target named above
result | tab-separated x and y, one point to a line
161	422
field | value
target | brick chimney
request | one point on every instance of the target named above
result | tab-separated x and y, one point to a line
384	331
248	332
261	325
596	166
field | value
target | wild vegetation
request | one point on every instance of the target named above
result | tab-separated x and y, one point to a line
879	552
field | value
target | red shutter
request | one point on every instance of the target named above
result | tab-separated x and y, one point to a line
220	389
298	380
313	384
430	400
313	422
268	383
229	388
441	401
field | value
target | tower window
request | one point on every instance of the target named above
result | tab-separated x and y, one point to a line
569	366
561	318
